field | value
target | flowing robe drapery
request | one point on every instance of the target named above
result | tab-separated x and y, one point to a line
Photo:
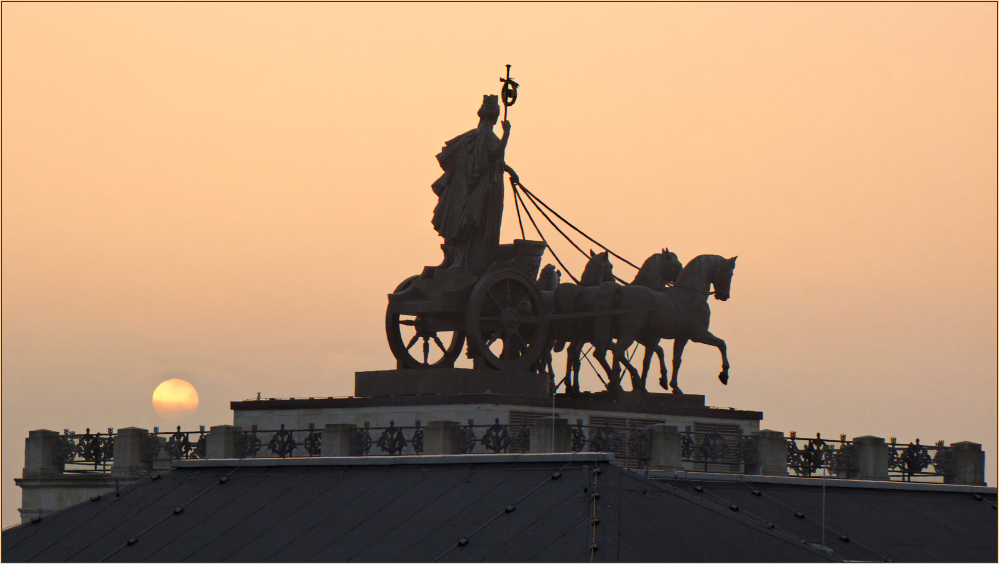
470	197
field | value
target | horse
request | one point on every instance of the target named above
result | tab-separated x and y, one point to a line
680	313
657	273
572	298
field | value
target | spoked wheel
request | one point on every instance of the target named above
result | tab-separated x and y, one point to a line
416	343
507	321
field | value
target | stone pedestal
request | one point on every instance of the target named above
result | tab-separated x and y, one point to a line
221	442
438	437
666	450
40	458
967	465
336	440
161	462
129	459
771	454
872	458
431	381
548	435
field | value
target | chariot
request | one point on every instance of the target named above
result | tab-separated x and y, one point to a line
499	310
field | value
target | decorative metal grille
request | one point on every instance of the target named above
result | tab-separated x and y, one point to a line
464	438
630	441
392	440
360	440
247	443
88	452
314	442
497	438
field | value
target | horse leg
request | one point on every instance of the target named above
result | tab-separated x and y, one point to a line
613	374
646	361
636	380
708	339
678	345
662	362
568	369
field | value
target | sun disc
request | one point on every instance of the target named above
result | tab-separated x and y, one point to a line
175	397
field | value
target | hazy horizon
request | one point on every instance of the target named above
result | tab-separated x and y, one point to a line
225	193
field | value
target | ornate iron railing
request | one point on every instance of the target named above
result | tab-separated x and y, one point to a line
840	458
914	459
495	438
89	452
179	444
825	457
391	441
708	448
283	443
631	443
719	448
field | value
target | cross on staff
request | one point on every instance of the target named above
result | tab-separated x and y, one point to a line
509	91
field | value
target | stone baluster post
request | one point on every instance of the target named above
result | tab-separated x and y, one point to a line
771	454
221	442
872	458
666	450
438	437
162	459
336	439
129	459
548	435
967	464
40	458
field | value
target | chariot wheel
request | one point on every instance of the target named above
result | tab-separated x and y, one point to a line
416	343
507	321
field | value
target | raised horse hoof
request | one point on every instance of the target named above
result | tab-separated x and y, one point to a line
723	377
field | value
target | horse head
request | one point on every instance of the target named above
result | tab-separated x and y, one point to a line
705	271
670	265
722	279
598	270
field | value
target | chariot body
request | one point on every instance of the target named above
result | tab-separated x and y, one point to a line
498	309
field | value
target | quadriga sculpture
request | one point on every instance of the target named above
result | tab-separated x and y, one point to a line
639	314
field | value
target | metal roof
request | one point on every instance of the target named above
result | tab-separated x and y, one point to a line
490	507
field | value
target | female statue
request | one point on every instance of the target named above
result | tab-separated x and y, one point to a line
470	192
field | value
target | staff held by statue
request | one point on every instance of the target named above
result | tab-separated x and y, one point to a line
509	91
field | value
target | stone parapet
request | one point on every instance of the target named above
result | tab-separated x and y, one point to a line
439	438
40	457
666	451
130	458
872	458
550	435
771	454
336	439
967	465
221	441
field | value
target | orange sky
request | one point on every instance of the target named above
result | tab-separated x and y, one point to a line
225	193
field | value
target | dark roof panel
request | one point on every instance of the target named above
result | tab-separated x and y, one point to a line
415	512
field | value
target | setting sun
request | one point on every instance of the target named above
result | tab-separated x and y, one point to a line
175	397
